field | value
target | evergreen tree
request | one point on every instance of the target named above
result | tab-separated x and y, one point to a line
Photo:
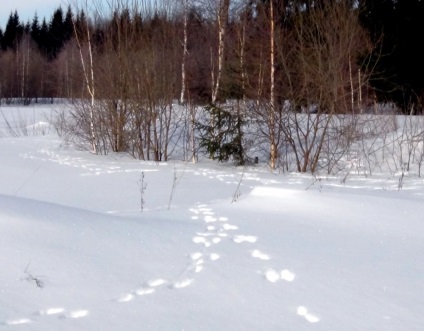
35	29
27	28
13	33
395	28
43	40
56	33
81	25
378	17
409	54
221	134
68	27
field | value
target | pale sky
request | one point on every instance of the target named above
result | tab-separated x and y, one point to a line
27	8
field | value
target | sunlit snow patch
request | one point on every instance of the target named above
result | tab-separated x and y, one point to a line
126	298
272	275
183	283
144	291
303	311
287	275
257	254
157	282
241	238
78	314
51	311
18	321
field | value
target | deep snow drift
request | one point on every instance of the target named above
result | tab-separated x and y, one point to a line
291	253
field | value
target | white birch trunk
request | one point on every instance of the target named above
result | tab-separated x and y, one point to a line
212	72
222	28
192	133
242	69
89	80
352	97
272	133
360	91
185	51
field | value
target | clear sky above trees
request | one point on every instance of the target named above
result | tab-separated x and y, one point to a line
27	9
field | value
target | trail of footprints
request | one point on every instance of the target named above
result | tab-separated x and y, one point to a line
77	162
217	229
60	313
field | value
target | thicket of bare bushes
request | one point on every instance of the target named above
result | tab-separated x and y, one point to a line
285	81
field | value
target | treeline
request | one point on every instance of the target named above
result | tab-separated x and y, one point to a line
41	59
292	70
49	37
30	56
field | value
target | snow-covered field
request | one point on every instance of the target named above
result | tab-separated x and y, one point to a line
291	253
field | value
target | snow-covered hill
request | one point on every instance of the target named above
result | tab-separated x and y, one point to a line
280	252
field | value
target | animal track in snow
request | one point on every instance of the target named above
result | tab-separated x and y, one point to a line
287	275
208	213
77	314
201	240
149	288
303	312
205	234
229	227
196	255
199	262
216	240
17	321
215	233
51	311
273	275
126	298
210	219
257	254
156	282
48	312
183	283
242	238
144	291
214	257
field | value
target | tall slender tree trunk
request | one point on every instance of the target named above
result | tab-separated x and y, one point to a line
352	90
242	41
272	133
222	28
185	52
89	80
192	132
360	91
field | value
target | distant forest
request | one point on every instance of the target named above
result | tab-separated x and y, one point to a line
190	51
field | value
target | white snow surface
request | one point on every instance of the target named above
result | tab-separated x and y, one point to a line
77	253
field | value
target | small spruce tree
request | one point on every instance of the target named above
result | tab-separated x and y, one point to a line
221	135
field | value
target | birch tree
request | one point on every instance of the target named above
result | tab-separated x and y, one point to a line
273	138
83	33
222	20
185	53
